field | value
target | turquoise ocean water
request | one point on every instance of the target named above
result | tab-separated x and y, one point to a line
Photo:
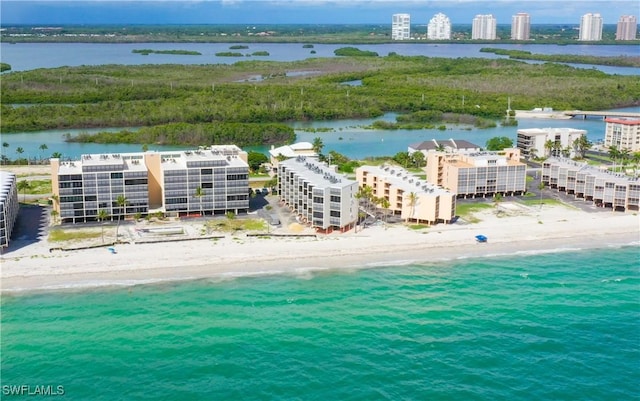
554	326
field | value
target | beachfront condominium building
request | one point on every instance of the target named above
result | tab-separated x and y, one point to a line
623	133
627	28
542	142
602	187
520	26
439	27
484	27
590	27
408	196
9	206
211	180
319	195
400	26
478	174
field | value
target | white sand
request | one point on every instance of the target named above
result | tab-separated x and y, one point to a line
517	230
555	115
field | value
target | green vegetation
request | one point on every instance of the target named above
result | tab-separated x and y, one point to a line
5	67
238	47
466	210
241	134
233	225
38	187
499	143
354	52
146	52
307	46
229	54
256	159
538	202
619	61
260	53
198	104
59	235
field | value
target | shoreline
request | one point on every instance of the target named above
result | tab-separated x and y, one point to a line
551	229
546	115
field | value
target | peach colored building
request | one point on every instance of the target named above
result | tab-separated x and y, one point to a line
166	182
623	133
478	174
409	197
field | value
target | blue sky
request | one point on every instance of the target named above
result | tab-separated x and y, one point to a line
51	12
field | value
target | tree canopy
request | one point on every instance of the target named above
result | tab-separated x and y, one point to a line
499	143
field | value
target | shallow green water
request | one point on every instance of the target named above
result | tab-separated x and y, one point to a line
559	326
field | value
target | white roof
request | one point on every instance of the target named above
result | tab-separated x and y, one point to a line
293	150
404	180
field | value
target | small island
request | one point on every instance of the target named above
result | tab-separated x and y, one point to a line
229	54
354	52
146	52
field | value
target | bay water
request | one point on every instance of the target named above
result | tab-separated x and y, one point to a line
547	326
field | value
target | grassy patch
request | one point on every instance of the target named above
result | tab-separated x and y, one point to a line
71	235
233	225
466	211
547	202
418	226
39	187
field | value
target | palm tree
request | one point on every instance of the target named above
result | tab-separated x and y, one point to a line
614	154
635	158
102	216
199	193
54	214
43	147
418	158
625	155
23	186
413	199
122	202
548	147
56	155
385	205
317	145
581	145
19	151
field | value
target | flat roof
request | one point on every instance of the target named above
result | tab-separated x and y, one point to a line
545	131
450	143
624	121
404	180
617	178
293	150
317	173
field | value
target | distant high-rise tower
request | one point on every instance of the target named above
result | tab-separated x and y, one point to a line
400	27
484	27
439	27
520	26
627	28
590	27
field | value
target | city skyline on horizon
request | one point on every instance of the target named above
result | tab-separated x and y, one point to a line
95	12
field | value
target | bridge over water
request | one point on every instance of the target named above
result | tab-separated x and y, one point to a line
602	114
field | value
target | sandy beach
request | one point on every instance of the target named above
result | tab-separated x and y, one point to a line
515	230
